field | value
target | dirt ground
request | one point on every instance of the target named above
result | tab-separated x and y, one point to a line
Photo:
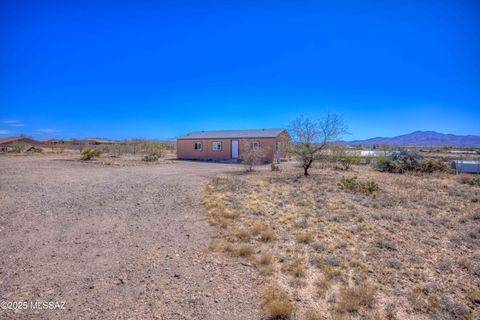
115	242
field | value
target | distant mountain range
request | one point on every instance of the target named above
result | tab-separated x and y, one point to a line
423	139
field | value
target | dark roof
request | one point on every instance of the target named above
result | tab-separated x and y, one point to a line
219	134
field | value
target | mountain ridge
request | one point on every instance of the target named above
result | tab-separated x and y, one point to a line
423	139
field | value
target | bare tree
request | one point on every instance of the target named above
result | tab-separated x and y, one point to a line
252	154
310	137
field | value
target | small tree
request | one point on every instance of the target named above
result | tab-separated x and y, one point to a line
341	156
310	137
251	155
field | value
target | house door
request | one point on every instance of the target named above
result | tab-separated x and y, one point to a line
234	149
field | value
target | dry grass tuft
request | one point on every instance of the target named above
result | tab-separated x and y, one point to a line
258	226
305	236
265	259
295	268
241	234
267	234
314	314
352	299
243	250
276	303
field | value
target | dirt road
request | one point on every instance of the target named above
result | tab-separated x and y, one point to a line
114	243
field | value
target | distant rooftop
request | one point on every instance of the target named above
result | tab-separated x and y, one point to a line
219	134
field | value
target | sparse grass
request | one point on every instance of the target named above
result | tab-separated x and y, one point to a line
276	303
322	245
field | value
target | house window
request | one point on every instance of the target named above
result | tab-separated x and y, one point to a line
255	145
197	146
216	146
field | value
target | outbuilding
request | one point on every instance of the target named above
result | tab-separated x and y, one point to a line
466	166
225	145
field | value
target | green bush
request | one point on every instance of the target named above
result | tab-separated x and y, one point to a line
432	165
88	154
408	161
385	164
473	181
354	185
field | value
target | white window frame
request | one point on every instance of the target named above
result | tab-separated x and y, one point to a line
217	143
195	146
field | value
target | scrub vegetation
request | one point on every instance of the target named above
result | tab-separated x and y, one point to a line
363	244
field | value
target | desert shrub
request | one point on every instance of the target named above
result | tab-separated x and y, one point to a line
386	244
295	268
150	157
385	164
352	299
410	161
17	146
274	167
432	165
153	148
276	303
346	161
305	236
244	250
88	154
265	259
354	185
267	234
252	155
472	181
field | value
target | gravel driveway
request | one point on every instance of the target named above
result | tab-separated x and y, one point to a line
114	243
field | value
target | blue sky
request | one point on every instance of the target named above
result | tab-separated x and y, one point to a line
158	69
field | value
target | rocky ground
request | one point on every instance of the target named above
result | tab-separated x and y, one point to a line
115	242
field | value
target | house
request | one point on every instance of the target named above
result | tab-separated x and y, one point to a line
19	144
466	166
25	140
230	144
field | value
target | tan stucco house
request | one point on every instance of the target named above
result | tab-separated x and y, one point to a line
229	144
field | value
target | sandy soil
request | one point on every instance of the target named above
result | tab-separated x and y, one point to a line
114	242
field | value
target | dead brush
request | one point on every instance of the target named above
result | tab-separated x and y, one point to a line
267	234
241	234
243	250
305	236
314	314
276	303
352	299
265	259
295	268
258	226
